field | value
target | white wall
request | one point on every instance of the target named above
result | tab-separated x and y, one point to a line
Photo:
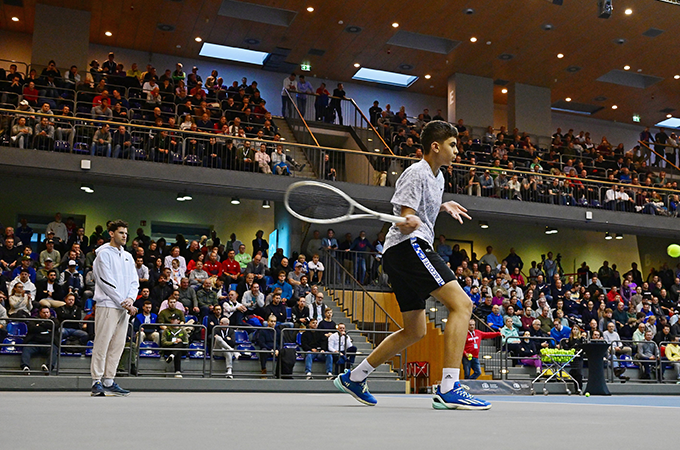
470	98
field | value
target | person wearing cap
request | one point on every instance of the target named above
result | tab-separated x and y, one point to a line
71	280
174	338
50	252
44	271
25	263
472	183
24	279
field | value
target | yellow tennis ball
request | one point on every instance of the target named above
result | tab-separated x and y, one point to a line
673	250
587	394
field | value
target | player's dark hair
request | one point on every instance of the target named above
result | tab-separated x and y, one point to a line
436	131
115	224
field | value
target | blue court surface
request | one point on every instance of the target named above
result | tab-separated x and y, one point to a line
173	420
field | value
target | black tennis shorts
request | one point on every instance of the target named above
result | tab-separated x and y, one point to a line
415	270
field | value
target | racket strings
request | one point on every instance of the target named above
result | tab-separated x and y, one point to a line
316	202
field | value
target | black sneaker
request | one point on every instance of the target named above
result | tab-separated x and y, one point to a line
45	369
98	390
170	358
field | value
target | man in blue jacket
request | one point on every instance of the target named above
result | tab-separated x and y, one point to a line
559	332
495	319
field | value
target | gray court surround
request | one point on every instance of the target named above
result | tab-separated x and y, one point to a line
68	420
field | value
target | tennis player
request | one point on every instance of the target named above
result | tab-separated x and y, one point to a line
416	272
116	287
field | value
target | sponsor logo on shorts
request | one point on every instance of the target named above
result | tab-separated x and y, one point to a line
426	262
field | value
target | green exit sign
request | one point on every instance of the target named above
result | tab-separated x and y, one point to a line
305	67
636	118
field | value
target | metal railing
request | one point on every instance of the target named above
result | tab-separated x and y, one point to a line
51	347
665	362
182	350
214	353
508	360
343	353
615	361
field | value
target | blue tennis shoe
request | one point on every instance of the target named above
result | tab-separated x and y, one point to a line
357	390
457	398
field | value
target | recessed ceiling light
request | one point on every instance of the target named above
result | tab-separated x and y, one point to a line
235	201
310	8
431	86
614	107
568	99
488	42
15	19
395	25
428	76
626	67
668	116
198	39
357	65
505	91
628	11
178	46
108	33
473	39
677	77
560	55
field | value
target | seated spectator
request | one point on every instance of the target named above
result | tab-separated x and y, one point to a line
267	339
231	268
102	111
317	308
198	275
647	353
546	320
301	290
612	338
21	133
207	298
72	281
175	338
559	332
537	331
258	268
673	355
508	334
40	333
278	309
30	94
300	313
25	263
43	138
344	352
495	319
48	291
316	270
146	317
71	312
164	315
224	344
245	284
242	257
253	300
314	342
286	288
101	144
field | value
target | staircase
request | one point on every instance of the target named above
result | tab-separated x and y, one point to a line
293	151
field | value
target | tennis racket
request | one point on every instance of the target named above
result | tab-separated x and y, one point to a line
316	202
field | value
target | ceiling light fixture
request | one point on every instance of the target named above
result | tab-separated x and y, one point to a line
483	224
626	67
235	201
614	107
668	116
265	203
473	39
677	77
608	237
198	39
108	33
395	25
568	99
619	236
560	55
15	19
628	11
310	8
504	90
180	197
86	188
550	230
428	76
357	65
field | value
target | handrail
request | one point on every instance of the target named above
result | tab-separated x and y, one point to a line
333	265
372	127
12	61
644	144
301	117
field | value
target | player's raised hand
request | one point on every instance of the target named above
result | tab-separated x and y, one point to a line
455	210
411	224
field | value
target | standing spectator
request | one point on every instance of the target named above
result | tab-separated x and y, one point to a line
661	138
116	287
336	101
175	338
471	351
304	89
290	85
260	244
321	102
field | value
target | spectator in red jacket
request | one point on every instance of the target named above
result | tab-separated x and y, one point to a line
212	265
471	351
